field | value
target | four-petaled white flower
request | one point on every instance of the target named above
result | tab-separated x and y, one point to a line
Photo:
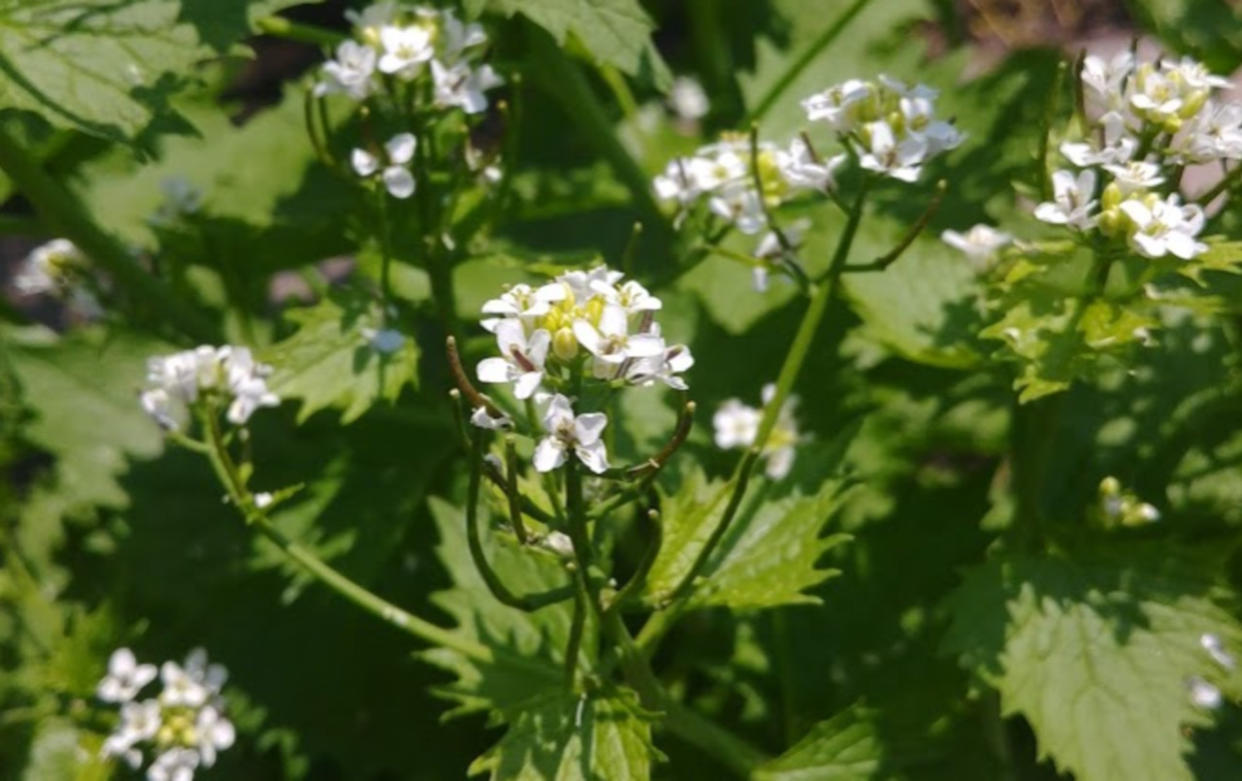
463	86
688	100
611	342
1135	175
737	425
214	732
351	73
396	175
1072	200
887	155
405	49
1164	227
568	433
522	358
175	764
125	677
802	168
979	243
50	268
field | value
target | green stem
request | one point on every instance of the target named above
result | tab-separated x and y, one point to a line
804	60
661	621
280	27
1227	181
500	591
62	212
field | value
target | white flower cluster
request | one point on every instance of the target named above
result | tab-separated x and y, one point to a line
176	382
723	173
184	725
1122	507
403	42
583	323
53	268
737	425
1145	121
979	243
891	126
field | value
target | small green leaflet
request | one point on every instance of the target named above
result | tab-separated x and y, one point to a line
329	361
750	569
601	736
109	68
611	32
1096	650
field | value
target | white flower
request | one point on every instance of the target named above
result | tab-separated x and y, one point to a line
1216	649
1216	134
1203	694
481	418
687	99
1116	146
979	243
405	49
177	380
214	733
263	499
631	297
769	250
1103	80
246	383
683	180
581	285
522	301
740	204
396	175
837	105
736	424
1135	175
666	366
350	73
50	268
1072	200
522	358
1164	227
369	21
180	688
125	677
612	344
456	37
567	432
800	167
175	764
885	154
463	86
139	722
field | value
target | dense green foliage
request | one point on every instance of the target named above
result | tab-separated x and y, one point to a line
936	590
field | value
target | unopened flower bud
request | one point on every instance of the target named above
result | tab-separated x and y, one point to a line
594	309
1111	196
565	344
1110	486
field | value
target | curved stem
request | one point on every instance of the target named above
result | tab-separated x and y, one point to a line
500	591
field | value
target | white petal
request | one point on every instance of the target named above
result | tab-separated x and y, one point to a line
779	463
364	162
527	384
537	346
494	370
122	662
594	456
401	148
589	426
399	181
644	346
587	336
549	454
558	412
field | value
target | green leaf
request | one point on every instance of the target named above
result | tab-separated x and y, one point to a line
767	558
109	68
83	390
611	32
770	558
600	736
529	647
1095	650
329	360
61	752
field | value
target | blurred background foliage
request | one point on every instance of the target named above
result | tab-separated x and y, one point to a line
108	540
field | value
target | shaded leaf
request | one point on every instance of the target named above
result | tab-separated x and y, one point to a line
564	736
329	361
1095	650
